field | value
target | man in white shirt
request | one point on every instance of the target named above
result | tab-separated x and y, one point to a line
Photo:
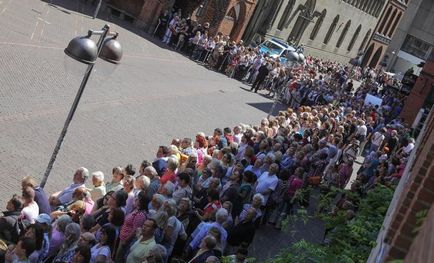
65	196
362	131
377	139
31	209
407	149
267	183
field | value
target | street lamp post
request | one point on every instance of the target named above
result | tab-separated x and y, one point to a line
294	58
84	50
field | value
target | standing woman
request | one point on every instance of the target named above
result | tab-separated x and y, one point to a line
101	252
67	251
133	221
36	233
171	29
163	20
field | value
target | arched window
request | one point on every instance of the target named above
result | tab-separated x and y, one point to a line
389	23
385	18
392	29
318	24
285	16
343	34
365	39
331	30
354	38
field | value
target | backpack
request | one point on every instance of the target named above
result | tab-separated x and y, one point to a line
20	227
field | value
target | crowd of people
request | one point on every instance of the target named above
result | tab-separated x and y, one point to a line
310	81
203	197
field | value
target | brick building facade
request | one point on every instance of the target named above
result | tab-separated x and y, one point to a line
406	233
421	93
229	17
330	29
408	228
375	50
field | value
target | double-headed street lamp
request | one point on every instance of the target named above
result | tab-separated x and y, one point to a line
85	50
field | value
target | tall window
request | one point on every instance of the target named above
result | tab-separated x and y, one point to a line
365	39
385	18
318	24
392	29
371	7
285	16
378	8
276	12
364	7
331	30
354	38
389	23
343	34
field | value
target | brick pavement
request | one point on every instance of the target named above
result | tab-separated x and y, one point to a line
154	95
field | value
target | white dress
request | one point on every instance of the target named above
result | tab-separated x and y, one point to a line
168	34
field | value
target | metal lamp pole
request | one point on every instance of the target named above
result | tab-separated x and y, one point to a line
103	34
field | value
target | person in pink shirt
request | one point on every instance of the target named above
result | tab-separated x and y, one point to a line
132	222
170	173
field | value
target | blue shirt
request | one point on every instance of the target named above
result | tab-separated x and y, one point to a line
42	200
66	195
203	231
256	171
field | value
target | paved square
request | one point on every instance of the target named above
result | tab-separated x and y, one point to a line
154	95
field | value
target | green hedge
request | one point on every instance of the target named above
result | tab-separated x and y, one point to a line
348	240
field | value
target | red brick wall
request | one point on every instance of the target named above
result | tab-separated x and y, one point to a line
219	23
422	249
150	11
420	91
147	13
418	195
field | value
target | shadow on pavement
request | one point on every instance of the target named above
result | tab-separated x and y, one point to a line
269	241
266	106
66	7
86	8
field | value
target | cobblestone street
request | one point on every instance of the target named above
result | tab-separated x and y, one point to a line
154	95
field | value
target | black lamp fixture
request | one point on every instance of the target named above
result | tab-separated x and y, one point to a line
86	51
111	50
82	49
